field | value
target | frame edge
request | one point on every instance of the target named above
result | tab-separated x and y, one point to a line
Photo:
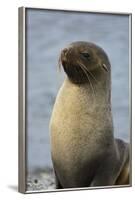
22	99
21	103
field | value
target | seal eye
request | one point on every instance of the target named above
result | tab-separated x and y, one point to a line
85	54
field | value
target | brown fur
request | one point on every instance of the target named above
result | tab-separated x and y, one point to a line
84	151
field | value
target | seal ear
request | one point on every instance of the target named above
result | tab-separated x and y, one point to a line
105	67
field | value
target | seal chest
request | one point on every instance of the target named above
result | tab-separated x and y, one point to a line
73	126
82	142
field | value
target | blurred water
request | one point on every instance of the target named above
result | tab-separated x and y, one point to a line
47	33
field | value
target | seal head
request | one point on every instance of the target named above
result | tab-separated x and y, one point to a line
80	59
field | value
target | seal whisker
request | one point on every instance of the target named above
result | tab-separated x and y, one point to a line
93	76
87	78
59	63
89	72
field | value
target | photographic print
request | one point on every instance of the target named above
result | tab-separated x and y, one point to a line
74	100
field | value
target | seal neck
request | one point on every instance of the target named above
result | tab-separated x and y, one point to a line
98	92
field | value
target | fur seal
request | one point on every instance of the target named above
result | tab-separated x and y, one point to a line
83	148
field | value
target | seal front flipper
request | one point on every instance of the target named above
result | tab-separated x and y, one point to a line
124	177
57	182
114	170
107	172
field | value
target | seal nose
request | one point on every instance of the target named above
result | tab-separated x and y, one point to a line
65	51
